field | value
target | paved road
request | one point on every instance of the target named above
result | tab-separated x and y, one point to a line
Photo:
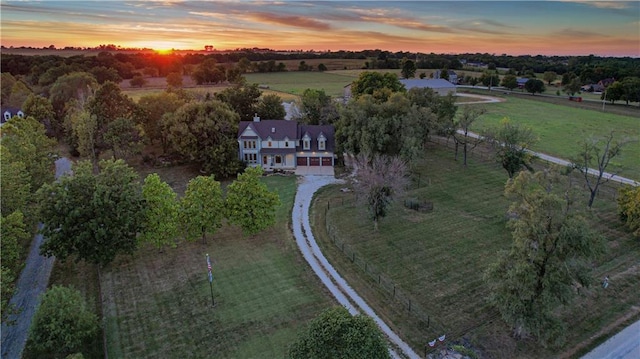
624	345
33	281
345	295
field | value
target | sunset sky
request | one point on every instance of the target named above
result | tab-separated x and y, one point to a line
605	28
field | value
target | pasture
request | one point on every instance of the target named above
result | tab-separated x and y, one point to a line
437	259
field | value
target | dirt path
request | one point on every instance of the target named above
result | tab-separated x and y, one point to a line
33	281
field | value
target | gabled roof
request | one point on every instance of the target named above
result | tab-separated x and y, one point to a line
314	132
276	129
428	83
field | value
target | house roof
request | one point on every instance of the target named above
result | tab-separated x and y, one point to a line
13	111
428	83
276	129
314	132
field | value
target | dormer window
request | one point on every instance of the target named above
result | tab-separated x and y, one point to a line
322	142
7	116
20	114
306	142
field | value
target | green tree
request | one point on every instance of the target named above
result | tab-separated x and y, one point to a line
202	208
369	82
552	249
380	180
596	154
161	214
512	143
15	183
83	133
62	325
155	107
573	86
549	77
242	98
408	68
78	86
19	93
629	208
509	81
322	67
92	216
208	72
6	84
534	86
249	203
25	139
122	137
39	108
336	334
270	107
315	105
174	80
137	81
244	65
13	235
489	79
206	133
463	123
104	74
631	86
613	93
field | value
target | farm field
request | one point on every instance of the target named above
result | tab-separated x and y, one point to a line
436	260
296	82
561	128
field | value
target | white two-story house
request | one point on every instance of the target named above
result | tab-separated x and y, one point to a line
287	145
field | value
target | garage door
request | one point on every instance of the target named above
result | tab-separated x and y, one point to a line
314	161
301	161
326	161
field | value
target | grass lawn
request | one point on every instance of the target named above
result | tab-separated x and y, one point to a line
561	128
295	82
437	259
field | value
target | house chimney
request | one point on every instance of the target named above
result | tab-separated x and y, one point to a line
256	118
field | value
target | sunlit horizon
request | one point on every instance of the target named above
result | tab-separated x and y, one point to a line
550	28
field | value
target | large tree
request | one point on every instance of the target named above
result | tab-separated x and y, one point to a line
509	81
551	253
62	325
596	155
206	133
370	82
317	108
15	183
243	99
336	334
408	68
534	86
512	142
161	214
249	203
91	216
629	208
78	86
460	130
155	107
380	179
13	235
202	208
270	107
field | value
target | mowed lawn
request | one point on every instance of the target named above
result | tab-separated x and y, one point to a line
295	82
560	129
438	259
158	304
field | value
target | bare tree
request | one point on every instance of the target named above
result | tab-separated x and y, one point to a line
593	159
460	131
379	180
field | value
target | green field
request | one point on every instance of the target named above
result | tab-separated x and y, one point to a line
437	259
158	304
561	128
296	82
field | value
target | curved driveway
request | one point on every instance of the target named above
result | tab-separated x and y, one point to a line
338	287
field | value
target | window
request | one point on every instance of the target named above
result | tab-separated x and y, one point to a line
251	158
321	144
306	144
249	144
7	116
286	143
269	144
278	159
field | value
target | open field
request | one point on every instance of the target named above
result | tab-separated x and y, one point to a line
437	259
296	82
561	128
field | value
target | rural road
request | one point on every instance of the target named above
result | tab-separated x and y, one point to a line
624	345
338	287
33	281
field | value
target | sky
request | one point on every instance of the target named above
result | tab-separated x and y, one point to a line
570	27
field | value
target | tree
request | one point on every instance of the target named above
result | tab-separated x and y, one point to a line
509	81
304	67
25	139
534	86
552	250
39	108
78	86
19	93
91	216
549	77
202	208
335	333
270	107
206	133
104	74
512	143
322	67
62	325
489	79
122	137
573	86
161	214
6	84
208	73
596	154
242	98
380	179
155	107
244	65
408	68
174	80
249	202
13	235
629	208
614	92
469	115
137	81
316	106
631	86
369	82
15	183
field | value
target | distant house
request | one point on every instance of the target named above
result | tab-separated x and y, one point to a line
453	76
592	88
522	81
8	113
606	82
439	86
287	145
